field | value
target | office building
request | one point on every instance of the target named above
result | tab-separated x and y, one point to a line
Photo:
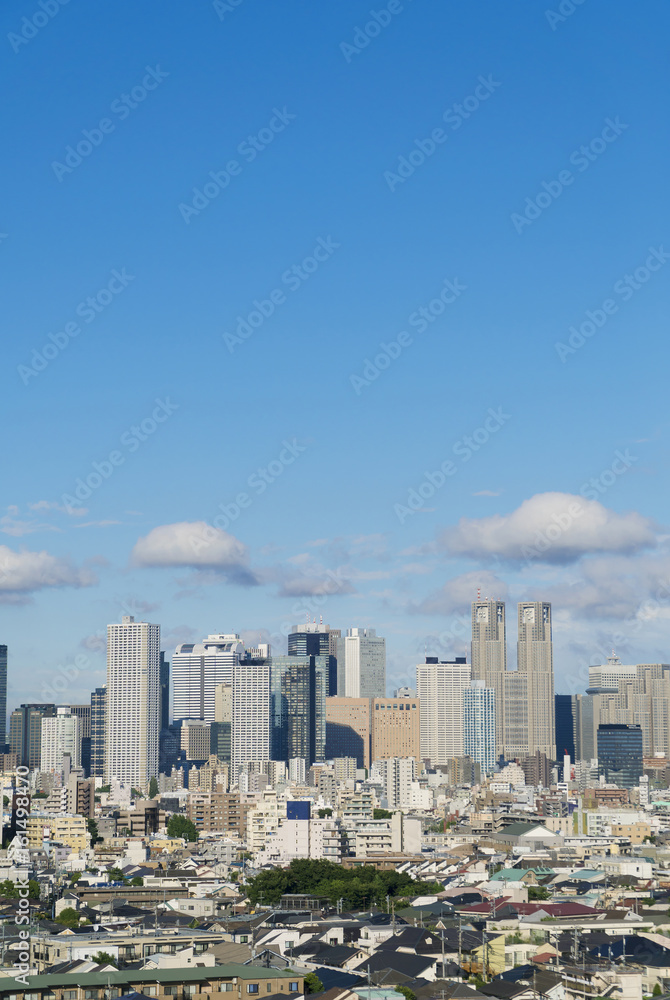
61	735
515	714
3	695
364	664
299	685
311	639
440	687
133	702
348	729
638	695
488	655
535	660
164	688
608	675
565	725
25	733
98	716
620	754
250	723
197	668
479	725
221	727
195	739
396	728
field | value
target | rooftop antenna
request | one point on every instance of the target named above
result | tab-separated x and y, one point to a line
479	593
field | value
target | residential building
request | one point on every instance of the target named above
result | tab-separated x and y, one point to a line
223	812
3	695
25	733
479	724
440	689
133	701
250	725
98	716
61	734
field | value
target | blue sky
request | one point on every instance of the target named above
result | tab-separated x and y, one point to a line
342	103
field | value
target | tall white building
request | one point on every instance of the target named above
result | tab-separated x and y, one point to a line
479	724
197	669
250	724
608	675
440	688
61	734
489	655
364	664
398	775
133	696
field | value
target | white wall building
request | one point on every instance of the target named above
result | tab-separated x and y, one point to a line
364	664
61	734
197	669
250	726
440	690
479	724
131	735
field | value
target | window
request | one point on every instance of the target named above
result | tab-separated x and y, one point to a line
252	988
171	991
293	987
69	995
150	991
268	987
91	994
244	938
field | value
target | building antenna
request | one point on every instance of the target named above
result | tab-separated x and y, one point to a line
479	593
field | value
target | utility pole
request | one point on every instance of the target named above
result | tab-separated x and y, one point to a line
460	948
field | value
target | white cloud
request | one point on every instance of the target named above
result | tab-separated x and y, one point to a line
487	493
22	573
197	545
456	595
552	528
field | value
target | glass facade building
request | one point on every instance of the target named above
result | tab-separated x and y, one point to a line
620	754
299	685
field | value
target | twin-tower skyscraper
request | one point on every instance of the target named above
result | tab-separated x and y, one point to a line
524	698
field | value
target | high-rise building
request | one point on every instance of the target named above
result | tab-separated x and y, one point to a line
195	738
311	639
133	701
3	695
399	774
221	727
197	668
515	714
250	726
488	655
25	733
620	754
535	659
565	725
84	714
608	675
637	695
98	715
396	728
348	729
164	683
364	664
440	687
479	724
61	734
299	685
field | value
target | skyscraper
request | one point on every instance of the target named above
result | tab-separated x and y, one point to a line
220	729
479	724
440	687
312	639
25	733
396	728
133	701
565	725
197	668
364	664
3	695
489	655
61	734
620	754
535	660
299	685
164	682
250	725
348	729
98	714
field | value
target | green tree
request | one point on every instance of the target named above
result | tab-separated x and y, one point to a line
323	813
381	814
103	958
153	788
69	917
406	992
313	984
179	826
137	880
105	788
74	877
537	892
5	801
116	875
93	830
657	991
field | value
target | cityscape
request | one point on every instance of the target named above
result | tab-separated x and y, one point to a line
334	545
